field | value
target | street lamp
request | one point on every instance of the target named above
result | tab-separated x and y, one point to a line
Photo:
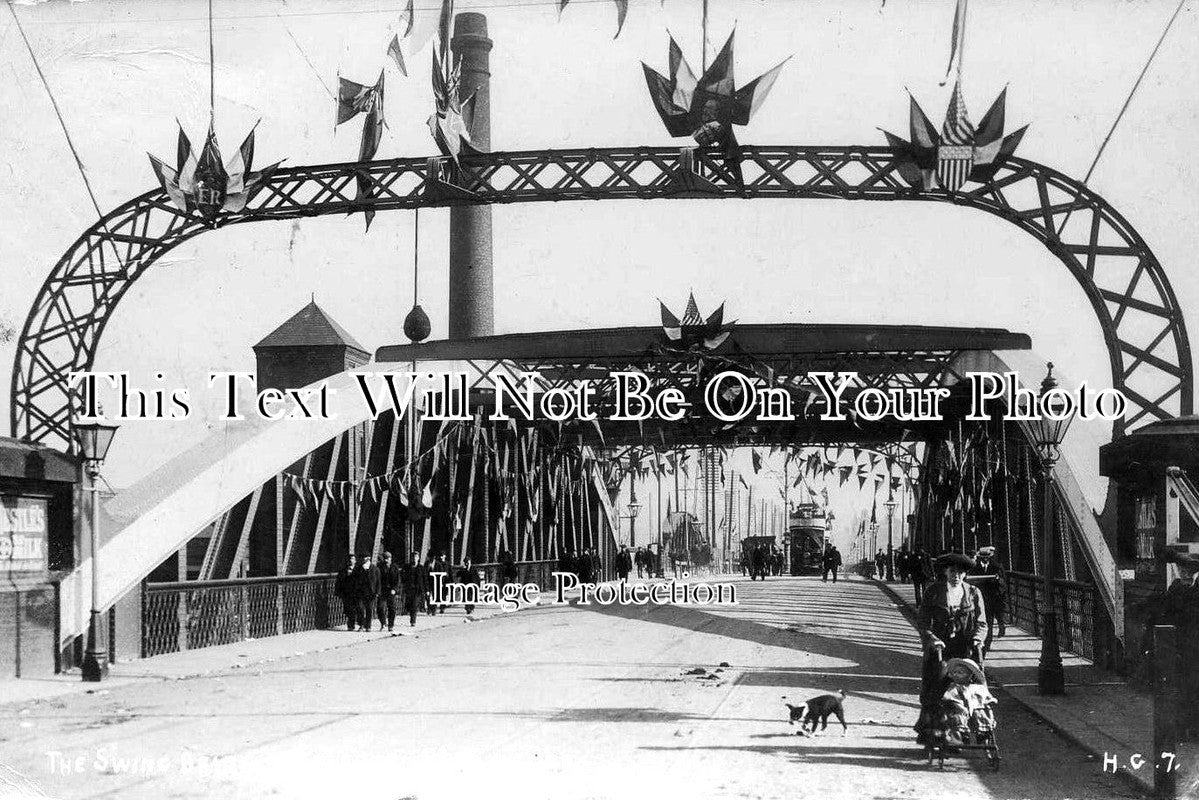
872	545
634	508
1048	431
92	440
890	506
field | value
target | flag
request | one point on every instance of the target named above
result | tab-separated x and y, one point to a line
622	11
957	129
354	99
756	457
957	39
991	147
210	181
955	156
749	98
397	55
670	323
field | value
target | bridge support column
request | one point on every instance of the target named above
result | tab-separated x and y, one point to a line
472	294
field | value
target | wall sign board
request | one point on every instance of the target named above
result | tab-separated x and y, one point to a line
23	534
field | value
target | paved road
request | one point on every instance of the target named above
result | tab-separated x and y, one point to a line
560	702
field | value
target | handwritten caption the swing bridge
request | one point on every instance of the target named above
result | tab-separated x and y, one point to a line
728	396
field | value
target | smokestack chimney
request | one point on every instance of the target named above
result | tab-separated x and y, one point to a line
472	293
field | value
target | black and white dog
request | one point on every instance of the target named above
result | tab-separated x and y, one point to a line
818	710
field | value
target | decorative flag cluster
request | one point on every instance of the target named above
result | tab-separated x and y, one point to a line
960	152
693	331
355	98
965	471
401	483
452	117
707	109
202	183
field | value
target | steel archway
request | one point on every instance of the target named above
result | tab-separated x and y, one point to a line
1142	324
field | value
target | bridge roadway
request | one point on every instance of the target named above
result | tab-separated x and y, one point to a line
556	701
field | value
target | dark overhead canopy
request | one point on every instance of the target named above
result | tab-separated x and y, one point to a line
767	341
883	356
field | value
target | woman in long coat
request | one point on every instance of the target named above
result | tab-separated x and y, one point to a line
1179	606
953	624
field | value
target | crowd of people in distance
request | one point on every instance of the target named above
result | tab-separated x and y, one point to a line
586	566
368	591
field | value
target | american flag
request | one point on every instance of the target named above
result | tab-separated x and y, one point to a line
955	156
691	315
957	129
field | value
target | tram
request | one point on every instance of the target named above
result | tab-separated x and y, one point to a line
806	538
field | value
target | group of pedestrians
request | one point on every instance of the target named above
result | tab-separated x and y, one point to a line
586	566
643	560
760	560
371	591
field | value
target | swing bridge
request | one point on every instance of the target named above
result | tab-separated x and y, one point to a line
264	552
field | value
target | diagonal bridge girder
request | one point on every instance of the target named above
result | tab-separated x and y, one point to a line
1142	323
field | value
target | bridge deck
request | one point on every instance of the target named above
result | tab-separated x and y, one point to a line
577	702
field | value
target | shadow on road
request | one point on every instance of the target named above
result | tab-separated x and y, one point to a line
855	624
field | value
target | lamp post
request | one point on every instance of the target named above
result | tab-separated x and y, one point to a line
890	506
873	546
634	508
1048	431
93	440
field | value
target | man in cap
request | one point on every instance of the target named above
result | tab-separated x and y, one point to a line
953	624
990	579
366	589
413	583
389	586
343	588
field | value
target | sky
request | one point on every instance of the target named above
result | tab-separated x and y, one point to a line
123	72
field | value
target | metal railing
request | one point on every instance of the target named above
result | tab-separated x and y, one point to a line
1076	605
189	615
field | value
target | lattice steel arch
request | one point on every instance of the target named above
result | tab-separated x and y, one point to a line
1131	296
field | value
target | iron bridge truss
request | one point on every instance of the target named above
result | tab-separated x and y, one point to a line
1127	287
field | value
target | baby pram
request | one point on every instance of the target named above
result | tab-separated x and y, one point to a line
964	718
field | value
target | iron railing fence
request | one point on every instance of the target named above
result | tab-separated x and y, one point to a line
189	615
1076	604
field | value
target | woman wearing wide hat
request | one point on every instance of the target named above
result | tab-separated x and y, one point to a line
952	623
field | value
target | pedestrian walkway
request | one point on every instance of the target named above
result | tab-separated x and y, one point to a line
1100	711
247	654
